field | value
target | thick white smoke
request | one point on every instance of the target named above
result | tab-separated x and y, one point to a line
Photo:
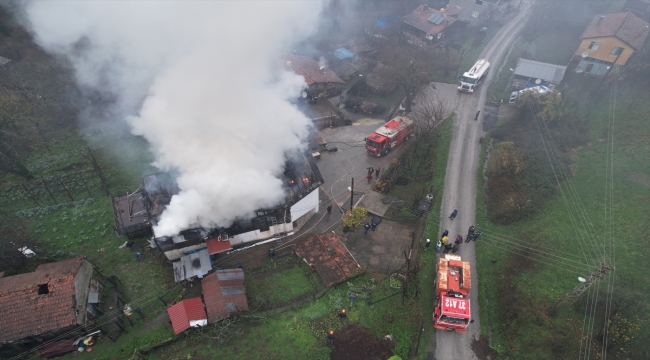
215	106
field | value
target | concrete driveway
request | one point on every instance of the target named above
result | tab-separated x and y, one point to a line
350	160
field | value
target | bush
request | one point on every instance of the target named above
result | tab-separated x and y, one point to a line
353	217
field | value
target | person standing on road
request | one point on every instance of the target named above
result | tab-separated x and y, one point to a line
477	113
367	227
453	214
448	247
438	245
370	170
329	209
445	233
373	225
470	234
369	177
377	173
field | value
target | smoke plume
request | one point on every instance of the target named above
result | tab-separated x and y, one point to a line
200	82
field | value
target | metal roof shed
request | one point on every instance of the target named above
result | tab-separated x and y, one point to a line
539	70
191	265
187	313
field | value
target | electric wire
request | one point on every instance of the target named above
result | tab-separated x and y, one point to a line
564	198
497	245
579	207
549	251
547	255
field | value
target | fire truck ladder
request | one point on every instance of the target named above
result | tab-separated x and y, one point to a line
584	284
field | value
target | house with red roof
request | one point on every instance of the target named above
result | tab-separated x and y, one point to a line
609	39
321	81
57	298
426	24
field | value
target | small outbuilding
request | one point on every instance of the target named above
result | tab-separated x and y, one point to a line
224	294
186	314
529	73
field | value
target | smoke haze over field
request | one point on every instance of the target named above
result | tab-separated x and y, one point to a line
215	108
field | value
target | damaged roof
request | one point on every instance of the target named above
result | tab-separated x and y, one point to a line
310	69
427	19
25	312
625	26
224	293
329	256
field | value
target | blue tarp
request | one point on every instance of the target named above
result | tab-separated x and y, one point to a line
383	23
343	53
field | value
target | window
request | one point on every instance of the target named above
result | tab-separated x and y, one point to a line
475	14
594	45
617	50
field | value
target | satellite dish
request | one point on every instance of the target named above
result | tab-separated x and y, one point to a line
581	279
584	54
538	81
304	94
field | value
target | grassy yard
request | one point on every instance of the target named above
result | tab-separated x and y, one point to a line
281	281
300	333
540	280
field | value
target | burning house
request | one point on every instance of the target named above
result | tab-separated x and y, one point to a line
134	212
301	178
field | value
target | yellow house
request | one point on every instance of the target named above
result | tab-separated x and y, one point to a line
609	39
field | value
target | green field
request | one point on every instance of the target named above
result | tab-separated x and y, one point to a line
521	286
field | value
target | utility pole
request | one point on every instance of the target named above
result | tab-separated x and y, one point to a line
351	193
459	62
584	284
608	70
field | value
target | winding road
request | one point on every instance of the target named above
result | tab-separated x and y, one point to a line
460	186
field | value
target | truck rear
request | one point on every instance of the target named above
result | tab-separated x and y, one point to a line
453	283
388	136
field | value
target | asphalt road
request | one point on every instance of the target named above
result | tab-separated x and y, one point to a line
460	186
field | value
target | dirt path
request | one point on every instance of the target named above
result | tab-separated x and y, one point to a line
460	188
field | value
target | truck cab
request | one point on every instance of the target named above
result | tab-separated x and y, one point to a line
377	145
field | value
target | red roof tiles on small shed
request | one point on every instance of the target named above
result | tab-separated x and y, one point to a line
216	246
185	311
330	257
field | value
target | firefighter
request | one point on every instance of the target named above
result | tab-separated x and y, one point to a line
367	227
330	337
427	244
470	234
343	315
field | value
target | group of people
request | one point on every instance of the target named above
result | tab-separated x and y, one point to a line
447	246
372	170
342	315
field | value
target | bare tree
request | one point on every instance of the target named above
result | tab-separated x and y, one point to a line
407	67
430	111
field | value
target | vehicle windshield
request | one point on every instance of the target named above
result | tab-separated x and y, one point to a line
453	320
374	144
469	80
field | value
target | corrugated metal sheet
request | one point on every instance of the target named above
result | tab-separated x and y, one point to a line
185	311
217	294
230	274
191	265
540	70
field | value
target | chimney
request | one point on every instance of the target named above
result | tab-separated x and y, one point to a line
600	19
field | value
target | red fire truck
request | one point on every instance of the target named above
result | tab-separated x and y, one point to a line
453	282
389	135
